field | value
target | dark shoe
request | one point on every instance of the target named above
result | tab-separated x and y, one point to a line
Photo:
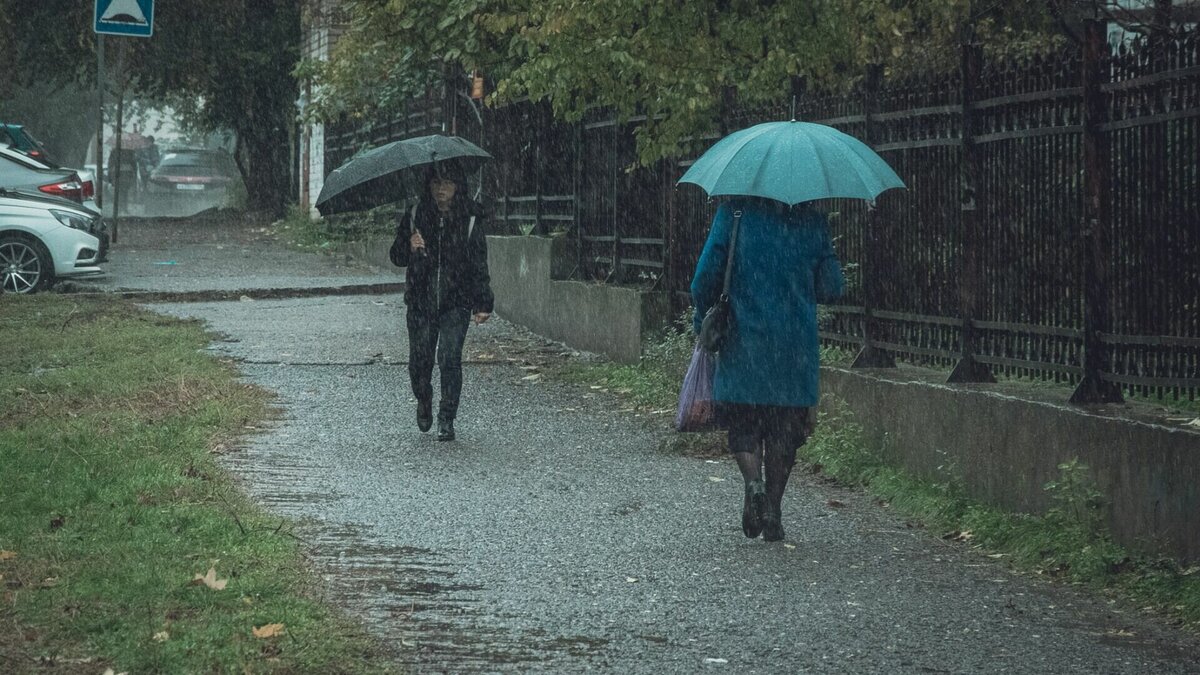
445	430
425	414
752	508
772	525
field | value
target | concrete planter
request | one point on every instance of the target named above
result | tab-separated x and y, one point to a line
609	320
1005	449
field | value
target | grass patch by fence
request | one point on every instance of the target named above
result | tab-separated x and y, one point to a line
300	230
113	502
1069	542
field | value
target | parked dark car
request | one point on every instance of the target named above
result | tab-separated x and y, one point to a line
210	175
18	172
22	141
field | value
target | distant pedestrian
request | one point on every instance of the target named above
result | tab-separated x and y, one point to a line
148	158
766	382
442	244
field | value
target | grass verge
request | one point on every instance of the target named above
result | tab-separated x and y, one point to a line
112	503
1070	542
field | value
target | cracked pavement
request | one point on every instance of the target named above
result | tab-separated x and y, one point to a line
554	535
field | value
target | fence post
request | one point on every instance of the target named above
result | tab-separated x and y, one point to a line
540	156
577	193
971	287
871	356
671	267
1097	223
616	196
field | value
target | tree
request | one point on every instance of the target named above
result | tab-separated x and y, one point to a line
670	60
231	60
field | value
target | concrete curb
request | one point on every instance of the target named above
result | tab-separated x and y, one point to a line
238	294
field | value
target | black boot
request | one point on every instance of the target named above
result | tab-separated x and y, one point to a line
445	429
425	413
772	524
752	508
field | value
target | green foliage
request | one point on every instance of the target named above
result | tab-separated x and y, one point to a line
304	232
113	501
667	60
672	351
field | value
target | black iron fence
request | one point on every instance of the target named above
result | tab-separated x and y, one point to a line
1051	225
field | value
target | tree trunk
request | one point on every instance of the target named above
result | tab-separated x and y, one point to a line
268	110
267	177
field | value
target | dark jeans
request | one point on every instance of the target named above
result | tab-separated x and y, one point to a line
443	334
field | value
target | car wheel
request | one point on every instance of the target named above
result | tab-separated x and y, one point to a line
25	266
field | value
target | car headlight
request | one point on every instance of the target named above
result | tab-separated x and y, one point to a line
72	220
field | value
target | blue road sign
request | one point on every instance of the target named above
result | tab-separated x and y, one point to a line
125	17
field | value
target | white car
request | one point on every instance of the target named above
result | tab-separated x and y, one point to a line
87	183
45	238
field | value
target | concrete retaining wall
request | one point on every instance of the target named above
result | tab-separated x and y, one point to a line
604	319
1007	448
373	252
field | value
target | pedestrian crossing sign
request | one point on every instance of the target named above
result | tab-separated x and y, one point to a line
125	17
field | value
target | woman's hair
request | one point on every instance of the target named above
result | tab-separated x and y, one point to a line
447	171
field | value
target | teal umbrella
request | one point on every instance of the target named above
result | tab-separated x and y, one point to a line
792	162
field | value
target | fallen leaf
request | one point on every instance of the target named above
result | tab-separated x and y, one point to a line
835	503
532	378
632	580
162	637
789	546
7	555
268	631
716	660
49	582
210	580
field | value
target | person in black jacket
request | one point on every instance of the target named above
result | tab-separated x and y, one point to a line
442	244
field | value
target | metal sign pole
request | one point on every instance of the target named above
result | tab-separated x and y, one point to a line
100	122
116	217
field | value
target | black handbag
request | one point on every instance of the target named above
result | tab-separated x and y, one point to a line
718	324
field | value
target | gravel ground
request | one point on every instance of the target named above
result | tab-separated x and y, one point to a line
555	536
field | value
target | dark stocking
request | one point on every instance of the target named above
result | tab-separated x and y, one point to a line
779	459
746	447
747	450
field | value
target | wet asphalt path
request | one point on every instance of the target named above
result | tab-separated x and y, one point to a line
554	536
216	252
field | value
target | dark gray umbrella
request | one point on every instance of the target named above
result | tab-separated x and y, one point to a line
382	175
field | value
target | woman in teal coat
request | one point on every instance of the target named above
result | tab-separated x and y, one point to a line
766	383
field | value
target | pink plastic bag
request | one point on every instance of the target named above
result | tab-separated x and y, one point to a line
697	411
